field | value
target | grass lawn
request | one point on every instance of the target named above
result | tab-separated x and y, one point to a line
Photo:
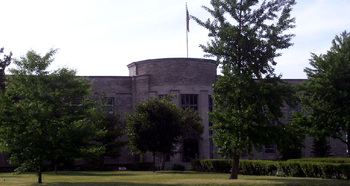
160	178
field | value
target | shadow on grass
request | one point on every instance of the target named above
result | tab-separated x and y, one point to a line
102	184
277	182
305	182
102	174
184	172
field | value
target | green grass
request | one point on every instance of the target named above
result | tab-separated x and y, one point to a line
161	178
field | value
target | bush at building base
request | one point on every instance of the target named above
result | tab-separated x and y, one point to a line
338	168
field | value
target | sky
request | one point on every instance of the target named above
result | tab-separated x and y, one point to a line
101	37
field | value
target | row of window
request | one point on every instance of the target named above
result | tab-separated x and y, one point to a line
108	103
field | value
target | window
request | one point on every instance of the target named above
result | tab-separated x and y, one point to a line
108	103
190	150
77	104
245	152
162	95
270	149
167	158
189	101
190	146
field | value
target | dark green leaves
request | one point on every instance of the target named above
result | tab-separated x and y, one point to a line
245	37
325	95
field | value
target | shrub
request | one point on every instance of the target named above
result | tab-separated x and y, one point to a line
325	160
211	165
258	167
140	166
177	167
291	169
312	167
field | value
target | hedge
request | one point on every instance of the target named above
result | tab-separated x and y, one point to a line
294	168
325	160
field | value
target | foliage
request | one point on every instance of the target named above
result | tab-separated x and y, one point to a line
177	167
156	120
162	124
325	160
325	95
191	124
211	165
3	64
291	153
321	147
114	127
114	130
245	36
46	115
314	167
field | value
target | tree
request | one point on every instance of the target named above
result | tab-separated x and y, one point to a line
325	95
46	115
3	64
111	141
245	36
321	147
157	126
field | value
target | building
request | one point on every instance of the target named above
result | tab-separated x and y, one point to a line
191	79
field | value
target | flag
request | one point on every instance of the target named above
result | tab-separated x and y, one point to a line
187	19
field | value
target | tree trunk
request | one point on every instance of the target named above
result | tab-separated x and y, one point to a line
102	163
163	161
39	175
154	162
234	172
55	168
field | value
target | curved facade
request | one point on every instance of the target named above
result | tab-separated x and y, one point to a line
191	79
188	78
176	71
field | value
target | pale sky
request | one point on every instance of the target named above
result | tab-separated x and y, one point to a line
101	37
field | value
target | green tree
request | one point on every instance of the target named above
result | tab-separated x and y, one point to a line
245	36
157	126
46	115
111	141
3	64
321	147
325	95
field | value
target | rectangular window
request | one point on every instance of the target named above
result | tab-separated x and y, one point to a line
270	149
210	102
190	146
167	158
77	104
245	151
108	103
189	101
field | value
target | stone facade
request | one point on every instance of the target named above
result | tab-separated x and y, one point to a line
191	79
184	77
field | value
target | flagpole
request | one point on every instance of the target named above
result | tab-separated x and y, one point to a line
187	27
